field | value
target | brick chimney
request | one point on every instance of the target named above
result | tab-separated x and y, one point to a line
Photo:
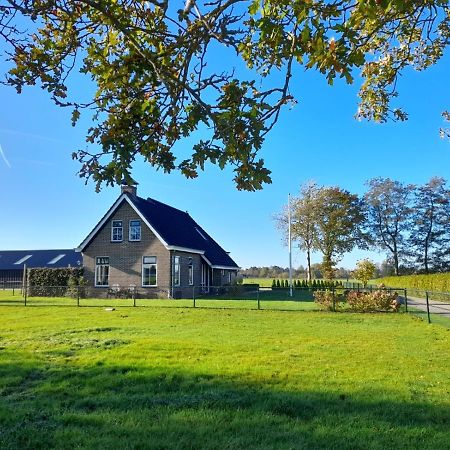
129	189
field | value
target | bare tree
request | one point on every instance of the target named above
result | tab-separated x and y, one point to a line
388	216
430	234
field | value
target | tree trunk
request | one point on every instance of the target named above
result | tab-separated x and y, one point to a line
425	259
308	257
396	260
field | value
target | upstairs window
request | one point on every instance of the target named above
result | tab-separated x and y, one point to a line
149	271
102	271
191	272
117	231
135	230
176	270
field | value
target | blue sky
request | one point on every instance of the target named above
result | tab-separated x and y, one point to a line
45	205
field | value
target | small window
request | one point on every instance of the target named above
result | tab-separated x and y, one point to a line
135	230
149	271
223	272
176	271
117	231
22	260
229	276
56	259
191	272
102	271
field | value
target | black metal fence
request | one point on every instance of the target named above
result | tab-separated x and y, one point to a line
429	305
424	304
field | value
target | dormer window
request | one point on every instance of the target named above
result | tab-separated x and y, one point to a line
117	231
135	230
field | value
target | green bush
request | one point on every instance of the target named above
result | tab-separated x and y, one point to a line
76	287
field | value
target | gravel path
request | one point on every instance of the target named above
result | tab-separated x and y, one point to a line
436	307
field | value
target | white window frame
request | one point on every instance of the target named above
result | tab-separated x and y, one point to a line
191	272
146	265
113	228
229	276
97	266
177	263
130	228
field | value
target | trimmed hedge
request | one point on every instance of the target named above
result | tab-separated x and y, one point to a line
52	282
314	284
437	282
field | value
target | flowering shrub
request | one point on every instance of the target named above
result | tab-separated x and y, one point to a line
325	300
379	300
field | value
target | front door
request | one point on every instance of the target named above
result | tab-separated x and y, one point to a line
205	281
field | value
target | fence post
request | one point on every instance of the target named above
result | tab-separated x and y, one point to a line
78	295
406	300
428	307
334	300
133	295
193	294
25	296
257	296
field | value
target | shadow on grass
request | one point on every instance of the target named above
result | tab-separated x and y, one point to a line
45	406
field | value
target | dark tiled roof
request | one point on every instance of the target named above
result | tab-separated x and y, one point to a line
179	229
39	258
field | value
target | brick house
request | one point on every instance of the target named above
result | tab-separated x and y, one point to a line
153	248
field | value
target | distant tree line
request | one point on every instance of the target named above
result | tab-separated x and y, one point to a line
383	269
410	223
297	273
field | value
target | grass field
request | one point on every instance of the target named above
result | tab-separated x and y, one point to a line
302	300
178	378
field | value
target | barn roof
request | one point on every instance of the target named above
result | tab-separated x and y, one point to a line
15	259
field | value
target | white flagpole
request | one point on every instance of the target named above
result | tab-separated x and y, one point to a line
290	245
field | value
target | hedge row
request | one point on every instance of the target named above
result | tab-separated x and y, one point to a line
42	282
314	284
437	282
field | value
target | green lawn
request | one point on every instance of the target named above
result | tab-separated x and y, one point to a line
178	378
277	299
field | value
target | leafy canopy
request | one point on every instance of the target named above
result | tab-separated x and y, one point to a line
148	62
365	271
